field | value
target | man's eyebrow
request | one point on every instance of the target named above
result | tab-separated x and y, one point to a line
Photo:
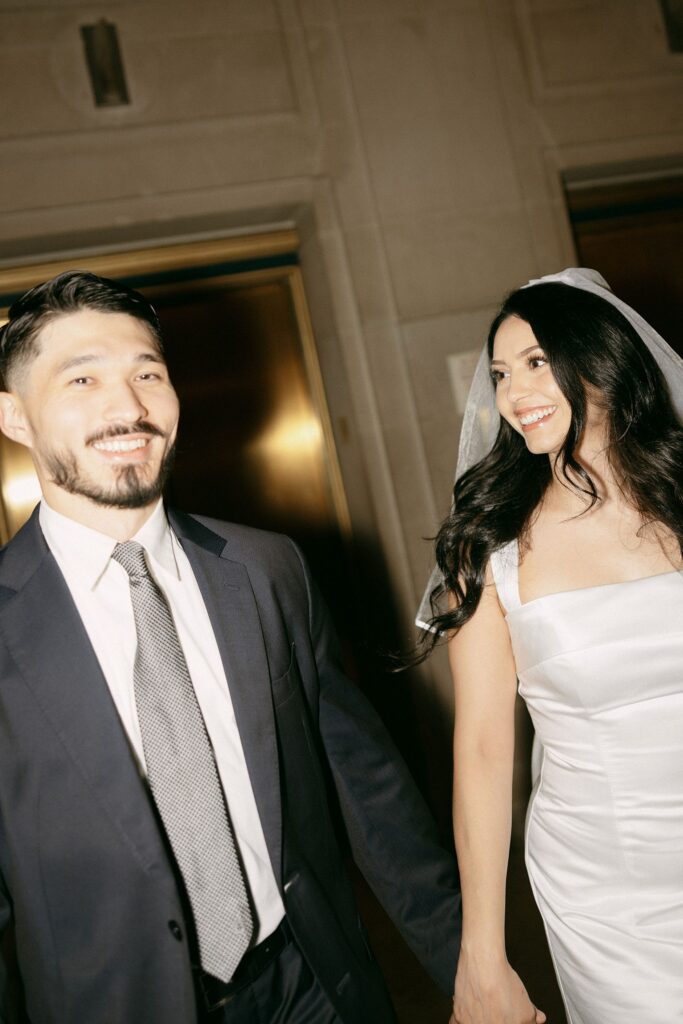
150	357
524	352
70	364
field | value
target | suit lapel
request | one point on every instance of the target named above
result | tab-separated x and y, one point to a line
45	636
231	605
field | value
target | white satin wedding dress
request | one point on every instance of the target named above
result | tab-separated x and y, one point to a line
601	671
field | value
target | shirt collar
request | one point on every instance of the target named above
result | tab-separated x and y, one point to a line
158	540
86	553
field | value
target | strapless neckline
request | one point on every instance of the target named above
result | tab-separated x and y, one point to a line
507	558
600	586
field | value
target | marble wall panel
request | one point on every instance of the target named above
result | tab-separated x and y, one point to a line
427	344
475	114
413	164
214	17
328	70
372	284
442	263
341	149
177	69
431	114
391	67
23	5
367	10
596	42
138	164
641	113
318	13
403	445
177	15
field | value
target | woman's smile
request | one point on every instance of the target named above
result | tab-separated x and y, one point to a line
530	419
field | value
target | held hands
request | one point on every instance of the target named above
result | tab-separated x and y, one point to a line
491	995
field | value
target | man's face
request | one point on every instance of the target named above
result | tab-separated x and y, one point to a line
98	411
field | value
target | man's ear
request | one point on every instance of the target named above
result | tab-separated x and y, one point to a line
13	421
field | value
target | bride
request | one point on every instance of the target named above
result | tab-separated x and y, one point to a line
560	566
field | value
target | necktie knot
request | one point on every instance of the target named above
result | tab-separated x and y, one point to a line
131	556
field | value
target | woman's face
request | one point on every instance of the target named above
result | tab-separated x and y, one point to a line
527	394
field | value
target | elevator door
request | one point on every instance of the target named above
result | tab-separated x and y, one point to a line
253	444
632	232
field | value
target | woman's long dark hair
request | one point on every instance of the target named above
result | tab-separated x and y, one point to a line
591	347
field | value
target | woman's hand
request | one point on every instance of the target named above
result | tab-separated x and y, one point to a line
491	994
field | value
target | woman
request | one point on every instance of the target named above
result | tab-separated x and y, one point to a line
561	565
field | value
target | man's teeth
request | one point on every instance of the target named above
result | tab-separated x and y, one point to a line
537	414
119	446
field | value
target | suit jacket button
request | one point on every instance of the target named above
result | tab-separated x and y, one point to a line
176	930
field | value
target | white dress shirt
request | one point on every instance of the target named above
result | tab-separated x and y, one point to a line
101	591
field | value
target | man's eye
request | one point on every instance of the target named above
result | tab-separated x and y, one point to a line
149	376
81	380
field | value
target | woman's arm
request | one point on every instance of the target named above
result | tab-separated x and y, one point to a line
487	990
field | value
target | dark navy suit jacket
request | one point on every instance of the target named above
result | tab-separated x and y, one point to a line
85	872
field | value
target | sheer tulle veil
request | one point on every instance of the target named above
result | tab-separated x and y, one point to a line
481	420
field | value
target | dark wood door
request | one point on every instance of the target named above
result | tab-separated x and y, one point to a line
632	232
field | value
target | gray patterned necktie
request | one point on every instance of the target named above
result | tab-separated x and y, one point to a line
183	776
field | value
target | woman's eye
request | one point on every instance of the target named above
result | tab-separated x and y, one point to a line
537	361
497	376
81	380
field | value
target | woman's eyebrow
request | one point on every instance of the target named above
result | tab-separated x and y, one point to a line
524	352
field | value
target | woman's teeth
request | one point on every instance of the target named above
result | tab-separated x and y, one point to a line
536	415
120	446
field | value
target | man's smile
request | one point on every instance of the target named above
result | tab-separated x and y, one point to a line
126	442
121	445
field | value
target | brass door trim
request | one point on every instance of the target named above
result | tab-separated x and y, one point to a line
157	259
315	379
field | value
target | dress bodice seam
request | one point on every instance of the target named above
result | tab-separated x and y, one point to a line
588	647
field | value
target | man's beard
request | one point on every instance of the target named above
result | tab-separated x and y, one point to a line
130	490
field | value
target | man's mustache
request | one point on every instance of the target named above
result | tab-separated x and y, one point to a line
141	427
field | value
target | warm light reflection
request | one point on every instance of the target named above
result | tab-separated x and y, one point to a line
21	489
289	454
291	437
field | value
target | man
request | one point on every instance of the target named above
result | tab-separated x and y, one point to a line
175	729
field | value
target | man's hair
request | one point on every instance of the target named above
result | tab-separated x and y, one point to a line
70	292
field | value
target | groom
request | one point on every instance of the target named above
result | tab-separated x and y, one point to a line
176	734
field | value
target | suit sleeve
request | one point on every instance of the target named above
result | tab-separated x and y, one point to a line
393	837
5	918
